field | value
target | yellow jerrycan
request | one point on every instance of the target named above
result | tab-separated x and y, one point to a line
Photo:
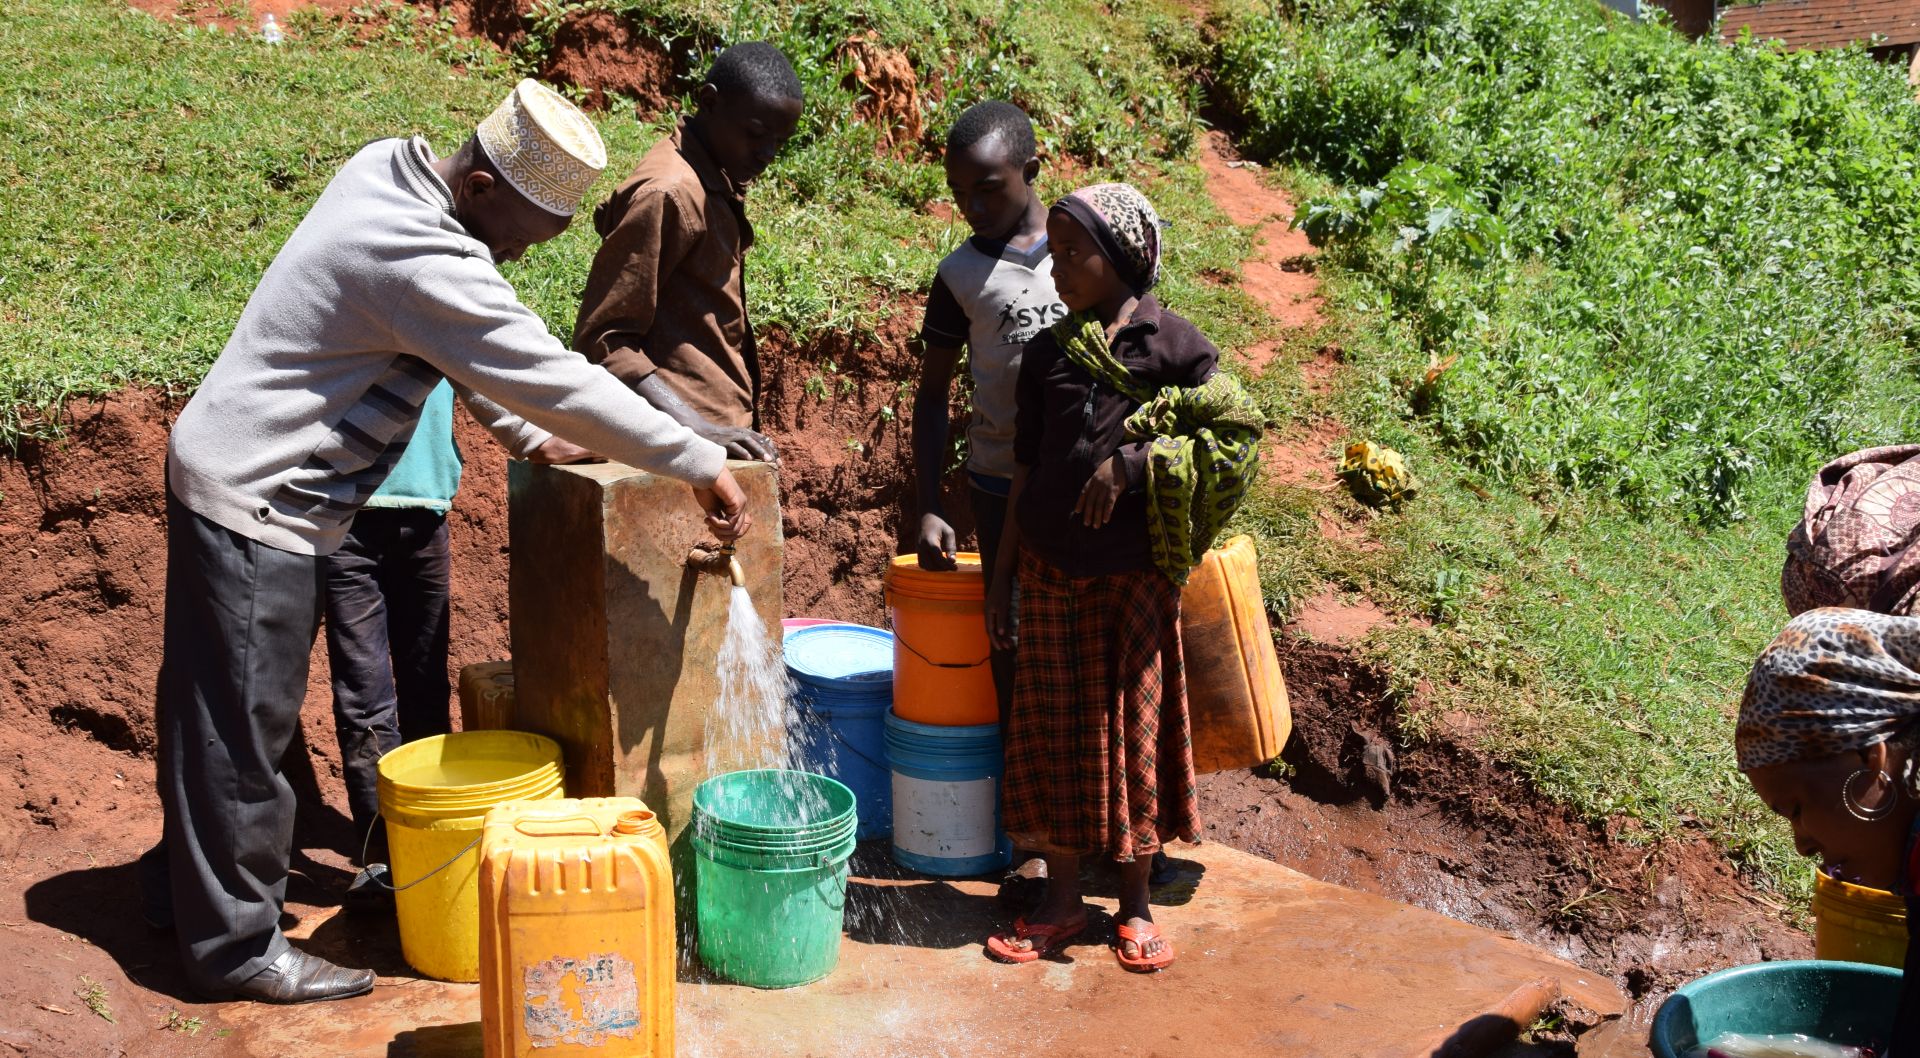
1236	698
576	931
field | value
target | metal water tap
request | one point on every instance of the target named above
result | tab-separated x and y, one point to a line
721	561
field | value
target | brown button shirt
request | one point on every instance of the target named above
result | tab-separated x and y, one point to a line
1068	424
667	292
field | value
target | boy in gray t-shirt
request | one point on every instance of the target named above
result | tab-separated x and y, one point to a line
992	294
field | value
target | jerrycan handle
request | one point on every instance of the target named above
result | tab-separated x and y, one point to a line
556	826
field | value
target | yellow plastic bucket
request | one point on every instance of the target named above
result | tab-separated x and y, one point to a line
434	795
940	651
1853	923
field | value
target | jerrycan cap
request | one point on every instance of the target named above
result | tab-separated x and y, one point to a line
633	822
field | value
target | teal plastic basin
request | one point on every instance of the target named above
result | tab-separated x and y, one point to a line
1843	1002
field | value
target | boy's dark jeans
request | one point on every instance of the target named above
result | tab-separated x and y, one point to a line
989	519
387	590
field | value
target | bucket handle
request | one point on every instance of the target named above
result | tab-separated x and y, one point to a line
375	879
898	638
539	825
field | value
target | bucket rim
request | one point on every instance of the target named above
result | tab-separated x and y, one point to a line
1826	886
798	642
856	709
827	857
833	789
456	807
489	793
966	581
549	757
944	732
796	850
840	686
706	823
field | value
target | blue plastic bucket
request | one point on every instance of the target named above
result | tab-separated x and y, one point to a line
842	689
946	798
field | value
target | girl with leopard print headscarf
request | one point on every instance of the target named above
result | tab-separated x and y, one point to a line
1099	760
1827	734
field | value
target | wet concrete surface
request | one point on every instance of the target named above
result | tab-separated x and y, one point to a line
1269	962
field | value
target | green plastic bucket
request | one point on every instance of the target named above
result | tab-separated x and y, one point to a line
770	856
1843	1002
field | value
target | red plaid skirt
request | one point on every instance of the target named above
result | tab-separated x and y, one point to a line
1099	754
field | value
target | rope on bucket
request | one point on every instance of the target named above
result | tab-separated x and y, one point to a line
938	664
368	872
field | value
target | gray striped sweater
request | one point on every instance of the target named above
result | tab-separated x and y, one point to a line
378	295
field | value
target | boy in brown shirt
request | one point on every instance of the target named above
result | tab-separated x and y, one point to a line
665	307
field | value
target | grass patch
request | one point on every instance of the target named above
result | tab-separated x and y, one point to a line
1659	283
153	169
93	995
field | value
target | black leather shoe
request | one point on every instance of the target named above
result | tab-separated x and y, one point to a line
296	977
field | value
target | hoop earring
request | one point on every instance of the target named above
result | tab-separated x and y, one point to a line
1853	806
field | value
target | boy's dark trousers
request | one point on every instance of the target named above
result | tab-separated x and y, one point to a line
989	519
387	590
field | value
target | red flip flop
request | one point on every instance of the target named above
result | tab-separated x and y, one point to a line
1046	939
1144	964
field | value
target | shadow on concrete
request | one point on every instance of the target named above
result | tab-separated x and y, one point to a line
371	941
438	1041
918	914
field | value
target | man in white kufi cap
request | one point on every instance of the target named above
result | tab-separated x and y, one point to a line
388	286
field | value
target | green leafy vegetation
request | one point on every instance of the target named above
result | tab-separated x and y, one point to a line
1616	295
153	168
1678	274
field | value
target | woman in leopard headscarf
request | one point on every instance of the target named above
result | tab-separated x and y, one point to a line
1130	453
1827	733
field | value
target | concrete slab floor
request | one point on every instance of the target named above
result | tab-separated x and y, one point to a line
1269	962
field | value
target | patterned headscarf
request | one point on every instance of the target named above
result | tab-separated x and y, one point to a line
1123	222
1855	544
1834	681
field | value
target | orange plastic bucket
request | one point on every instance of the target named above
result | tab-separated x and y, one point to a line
940	651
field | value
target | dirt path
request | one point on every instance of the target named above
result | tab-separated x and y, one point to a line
1438	824
1279	275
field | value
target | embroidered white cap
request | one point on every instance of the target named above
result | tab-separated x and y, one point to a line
545	147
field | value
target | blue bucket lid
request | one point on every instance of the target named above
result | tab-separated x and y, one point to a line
838	655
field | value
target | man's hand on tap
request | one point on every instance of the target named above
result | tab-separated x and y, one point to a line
726	507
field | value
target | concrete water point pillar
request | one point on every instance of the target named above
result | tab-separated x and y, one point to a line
615	638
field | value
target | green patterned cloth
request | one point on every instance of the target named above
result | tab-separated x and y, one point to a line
1204	442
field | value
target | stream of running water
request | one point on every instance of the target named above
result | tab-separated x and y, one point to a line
748	724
